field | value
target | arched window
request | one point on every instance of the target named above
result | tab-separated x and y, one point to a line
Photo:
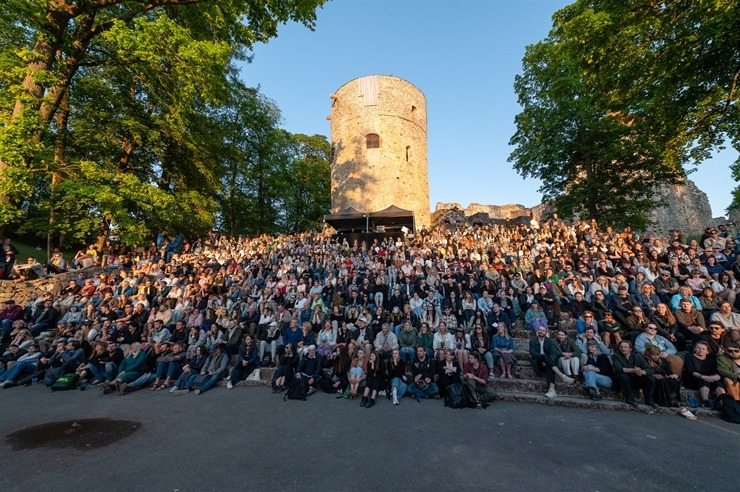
408	153
372	141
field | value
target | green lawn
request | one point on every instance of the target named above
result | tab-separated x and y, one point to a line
26	250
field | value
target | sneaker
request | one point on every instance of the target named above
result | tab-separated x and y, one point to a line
395	400
551	393
196	392
311	391
180	392
96	382
706	404
229	385
121	388
632	403
491	376
592	393
567	379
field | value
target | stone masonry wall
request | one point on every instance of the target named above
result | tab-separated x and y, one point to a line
21	292
395	173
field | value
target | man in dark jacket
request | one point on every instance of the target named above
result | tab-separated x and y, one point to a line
423	369
545	358
44	319
309	368
631	371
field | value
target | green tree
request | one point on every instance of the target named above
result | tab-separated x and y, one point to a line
593	159
674	66
100	95
306	194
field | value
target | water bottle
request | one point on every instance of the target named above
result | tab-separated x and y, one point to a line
34	380
693	403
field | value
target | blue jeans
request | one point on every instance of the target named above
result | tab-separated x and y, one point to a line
109	373
140	382
18	369
408	352
396	330
431	390
595	380
205	386
171	370
402	387
7	327
38	328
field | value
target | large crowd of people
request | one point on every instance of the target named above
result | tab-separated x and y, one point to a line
409	315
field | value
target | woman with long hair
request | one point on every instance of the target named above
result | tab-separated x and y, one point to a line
503	351
357	373
375	379
667	384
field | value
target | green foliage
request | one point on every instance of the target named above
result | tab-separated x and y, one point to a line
673	66
111	112
274	181
596	159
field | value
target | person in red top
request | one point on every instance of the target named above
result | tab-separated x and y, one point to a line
475	375
10	313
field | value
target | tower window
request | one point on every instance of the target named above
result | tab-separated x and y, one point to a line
408	153
372	141
413	109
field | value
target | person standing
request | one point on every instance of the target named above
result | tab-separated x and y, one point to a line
8	253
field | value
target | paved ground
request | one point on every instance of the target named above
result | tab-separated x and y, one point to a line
249	439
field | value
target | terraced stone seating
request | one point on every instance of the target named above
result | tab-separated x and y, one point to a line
530	388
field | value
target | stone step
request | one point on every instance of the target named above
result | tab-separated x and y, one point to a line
605	404
540	386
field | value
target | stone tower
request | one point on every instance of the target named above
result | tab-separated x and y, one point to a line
379	138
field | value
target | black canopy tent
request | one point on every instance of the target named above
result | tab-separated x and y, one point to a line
392	219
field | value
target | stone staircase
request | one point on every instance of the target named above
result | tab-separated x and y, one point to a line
530	388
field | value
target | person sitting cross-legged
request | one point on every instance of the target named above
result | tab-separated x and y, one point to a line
212	372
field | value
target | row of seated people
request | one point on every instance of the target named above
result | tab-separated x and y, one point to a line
651	364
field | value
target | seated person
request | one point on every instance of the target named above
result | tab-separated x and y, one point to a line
309	368
728	366
169	367
448	372
375	380
700	373
31	270
246	363
597	370
545	359
25	364
667	382
475	375
568	354
422	370
131	368
212	372
631	371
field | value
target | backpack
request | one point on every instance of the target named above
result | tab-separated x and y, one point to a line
456	396
729	408
65	382
471	398
297	389
266	360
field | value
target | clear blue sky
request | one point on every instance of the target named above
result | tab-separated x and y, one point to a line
463	54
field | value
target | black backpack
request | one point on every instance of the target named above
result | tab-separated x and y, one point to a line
297	389
471	398
266	360
456	397
729	408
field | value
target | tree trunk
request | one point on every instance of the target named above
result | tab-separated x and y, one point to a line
56	177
